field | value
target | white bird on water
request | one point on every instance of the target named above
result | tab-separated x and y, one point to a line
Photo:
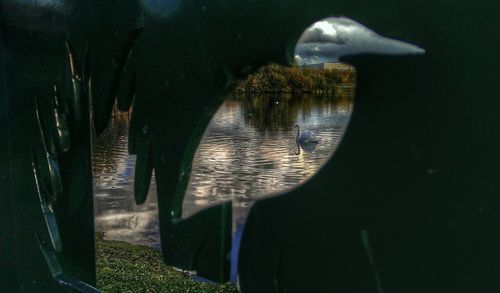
307	136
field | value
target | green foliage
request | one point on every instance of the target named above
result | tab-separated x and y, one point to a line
279	79
122	267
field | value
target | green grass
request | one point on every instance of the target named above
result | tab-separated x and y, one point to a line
122	267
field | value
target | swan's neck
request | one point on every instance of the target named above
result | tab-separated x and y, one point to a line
298	132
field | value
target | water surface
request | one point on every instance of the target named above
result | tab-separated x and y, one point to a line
248	151
115	211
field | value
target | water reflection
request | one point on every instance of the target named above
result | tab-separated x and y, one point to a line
307	147
248	150
115	211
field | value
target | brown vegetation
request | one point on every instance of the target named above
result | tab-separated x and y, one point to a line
279	79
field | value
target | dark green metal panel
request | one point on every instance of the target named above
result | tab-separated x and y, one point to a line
47	126
409	201
8	276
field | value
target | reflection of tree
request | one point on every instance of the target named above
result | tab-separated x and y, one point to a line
274	112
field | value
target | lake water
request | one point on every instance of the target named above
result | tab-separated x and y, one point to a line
248	151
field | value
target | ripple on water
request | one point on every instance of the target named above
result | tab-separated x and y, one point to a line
248	150
241	159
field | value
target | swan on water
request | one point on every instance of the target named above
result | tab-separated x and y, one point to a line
307	136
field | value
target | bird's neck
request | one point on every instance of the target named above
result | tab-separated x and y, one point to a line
298	132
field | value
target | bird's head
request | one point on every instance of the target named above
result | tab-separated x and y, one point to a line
334	37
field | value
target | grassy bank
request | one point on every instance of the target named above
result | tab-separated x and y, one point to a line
122	267
279	79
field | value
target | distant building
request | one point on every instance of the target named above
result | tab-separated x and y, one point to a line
330	66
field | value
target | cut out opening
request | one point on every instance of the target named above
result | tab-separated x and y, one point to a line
259	143
249	151
250	148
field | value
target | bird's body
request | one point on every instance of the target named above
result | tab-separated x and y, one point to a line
307	136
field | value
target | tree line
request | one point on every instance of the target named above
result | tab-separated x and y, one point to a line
274	78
